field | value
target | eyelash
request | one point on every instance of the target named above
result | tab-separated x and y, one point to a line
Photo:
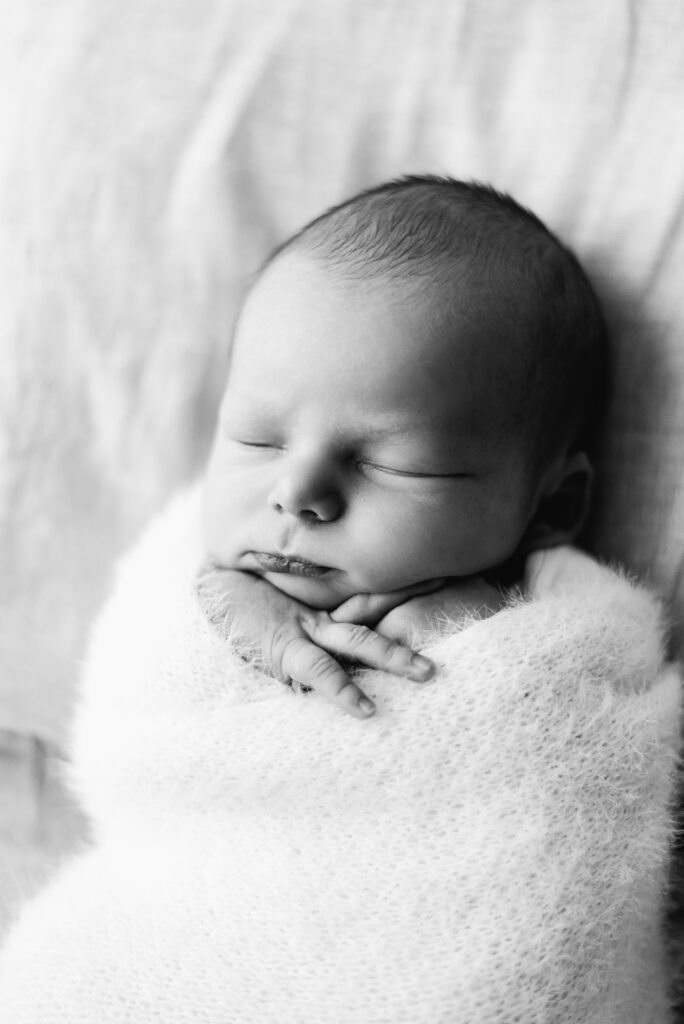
412	475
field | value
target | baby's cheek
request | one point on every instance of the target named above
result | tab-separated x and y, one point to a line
437	540
395	550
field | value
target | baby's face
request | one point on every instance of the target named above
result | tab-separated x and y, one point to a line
359	450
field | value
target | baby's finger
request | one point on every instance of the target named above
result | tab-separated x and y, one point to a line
310	666
363	645
368	609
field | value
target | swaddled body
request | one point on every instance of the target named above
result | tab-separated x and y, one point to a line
488	848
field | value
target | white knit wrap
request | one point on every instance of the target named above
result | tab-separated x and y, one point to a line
489	849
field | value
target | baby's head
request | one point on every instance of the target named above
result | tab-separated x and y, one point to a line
415	380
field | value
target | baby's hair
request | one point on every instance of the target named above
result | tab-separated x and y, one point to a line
520	278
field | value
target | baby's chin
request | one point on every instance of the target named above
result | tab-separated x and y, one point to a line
324	594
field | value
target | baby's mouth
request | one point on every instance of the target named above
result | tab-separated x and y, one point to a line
290	564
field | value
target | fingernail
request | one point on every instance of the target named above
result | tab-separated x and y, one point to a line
367	706
422	666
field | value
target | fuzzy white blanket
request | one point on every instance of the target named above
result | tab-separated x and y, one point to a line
491	847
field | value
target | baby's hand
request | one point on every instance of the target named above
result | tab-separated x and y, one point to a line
456	601
296	643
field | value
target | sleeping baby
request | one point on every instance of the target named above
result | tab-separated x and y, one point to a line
402	459
415	384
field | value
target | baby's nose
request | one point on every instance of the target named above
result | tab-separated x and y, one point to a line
309	490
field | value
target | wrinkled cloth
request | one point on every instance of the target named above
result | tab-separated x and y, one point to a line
490	847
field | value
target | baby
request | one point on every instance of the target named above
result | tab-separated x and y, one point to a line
415	383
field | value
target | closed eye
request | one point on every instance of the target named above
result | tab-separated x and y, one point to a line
413	474
256	444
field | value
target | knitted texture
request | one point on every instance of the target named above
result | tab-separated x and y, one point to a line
489	849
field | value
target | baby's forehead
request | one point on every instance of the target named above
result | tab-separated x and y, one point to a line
460	305
384	348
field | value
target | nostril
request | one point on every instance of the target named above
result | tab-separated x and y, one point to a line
307	507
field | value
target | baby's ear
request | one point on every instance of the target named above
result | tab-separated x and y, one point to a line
563	503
